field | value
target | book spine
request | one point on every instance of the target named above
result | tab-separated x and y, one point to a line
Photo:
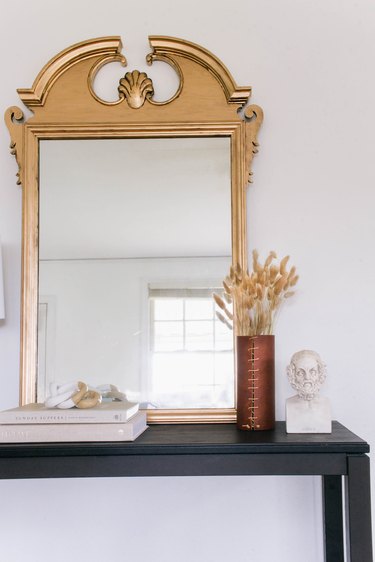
40	433
65	417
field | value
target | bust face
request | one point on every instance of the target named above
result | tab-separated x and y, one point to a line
306	374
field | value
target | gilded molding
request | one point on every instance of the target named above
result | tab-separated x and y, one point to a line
132	84
253	115
65	106
107	48
135	87
14	117
153	57
168	47
201	415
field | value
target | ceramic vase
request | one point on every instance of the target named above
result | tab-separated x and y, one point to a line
255	382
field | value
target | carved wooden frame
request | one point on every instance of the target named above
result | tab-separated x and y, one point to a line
64	105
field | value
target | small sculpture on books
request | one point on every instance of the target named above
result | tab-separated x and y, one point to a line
80	395
307	411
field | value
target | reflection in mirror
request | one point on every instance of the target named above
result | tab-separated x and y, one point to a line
135	235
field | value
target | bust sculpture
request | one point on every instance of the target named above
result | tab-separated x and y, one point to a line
307	412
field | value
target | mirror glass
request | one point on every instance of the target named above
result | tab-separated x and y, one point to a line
134	237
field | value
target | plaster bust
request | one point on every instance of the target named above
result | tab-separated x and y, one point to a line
307	412
306	373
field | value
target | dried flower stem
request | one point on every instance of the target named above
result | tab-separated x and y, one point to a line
255	297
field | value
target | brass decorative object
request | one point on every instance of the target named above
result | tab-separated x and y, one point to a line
135	87
65	106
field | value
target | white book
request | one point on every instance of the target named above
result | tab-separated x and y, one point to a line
60	433
106	412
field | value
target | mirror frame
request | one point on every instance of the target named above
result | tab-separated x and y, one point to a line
207	103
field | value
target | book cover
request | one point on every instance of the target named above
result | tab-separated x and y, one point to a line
106	412
60	433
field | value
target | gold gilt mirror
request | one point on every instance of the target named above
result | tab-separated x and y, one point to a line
133	212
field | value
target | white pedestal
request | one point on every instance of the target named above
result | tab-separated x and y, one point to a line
308	416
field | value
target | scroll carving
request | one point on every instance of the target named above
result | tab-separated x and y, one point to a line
14	117
253	119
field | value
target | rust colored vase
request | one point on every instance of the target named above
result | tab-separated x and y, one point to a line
255	382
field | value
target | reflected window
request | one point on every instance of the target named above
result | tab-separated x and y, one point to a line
191	350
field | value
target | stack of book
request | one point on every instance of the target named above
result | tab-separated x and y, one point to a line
109	421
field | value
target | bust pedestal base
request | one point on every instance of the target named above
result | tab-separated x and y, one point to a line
308	416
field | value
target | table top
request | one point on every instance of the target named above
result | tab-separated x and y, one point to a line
201	439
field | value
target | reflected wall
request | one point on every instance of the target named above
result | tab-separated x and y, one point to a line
123	223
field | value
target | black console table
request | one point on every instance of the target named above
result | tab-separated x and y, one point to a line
198	450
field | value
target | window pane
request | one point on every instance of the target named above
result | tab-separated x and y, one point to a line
168	336
198	309
223	365
223	337
192	380
199	335
192	359
182	370
168	309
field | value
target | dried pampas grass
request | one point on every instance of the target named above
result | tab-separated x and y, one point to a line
254	298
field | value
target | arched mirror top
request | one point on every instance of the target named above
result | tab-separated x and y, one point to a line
63	93
207	104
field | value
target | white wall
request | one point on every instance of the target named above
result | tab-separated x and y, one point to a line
99	323
104	186
311	65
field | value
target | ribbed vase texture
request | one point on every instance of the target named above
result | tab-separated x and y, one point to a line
255	382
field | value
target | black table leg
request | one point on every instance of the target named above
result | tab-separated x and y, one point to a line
332	519
358	509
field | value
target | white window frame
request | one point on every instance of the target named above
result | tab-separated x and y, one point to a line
181	293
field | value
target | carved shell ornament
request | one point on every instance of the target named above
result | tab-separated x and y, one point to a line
135	87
